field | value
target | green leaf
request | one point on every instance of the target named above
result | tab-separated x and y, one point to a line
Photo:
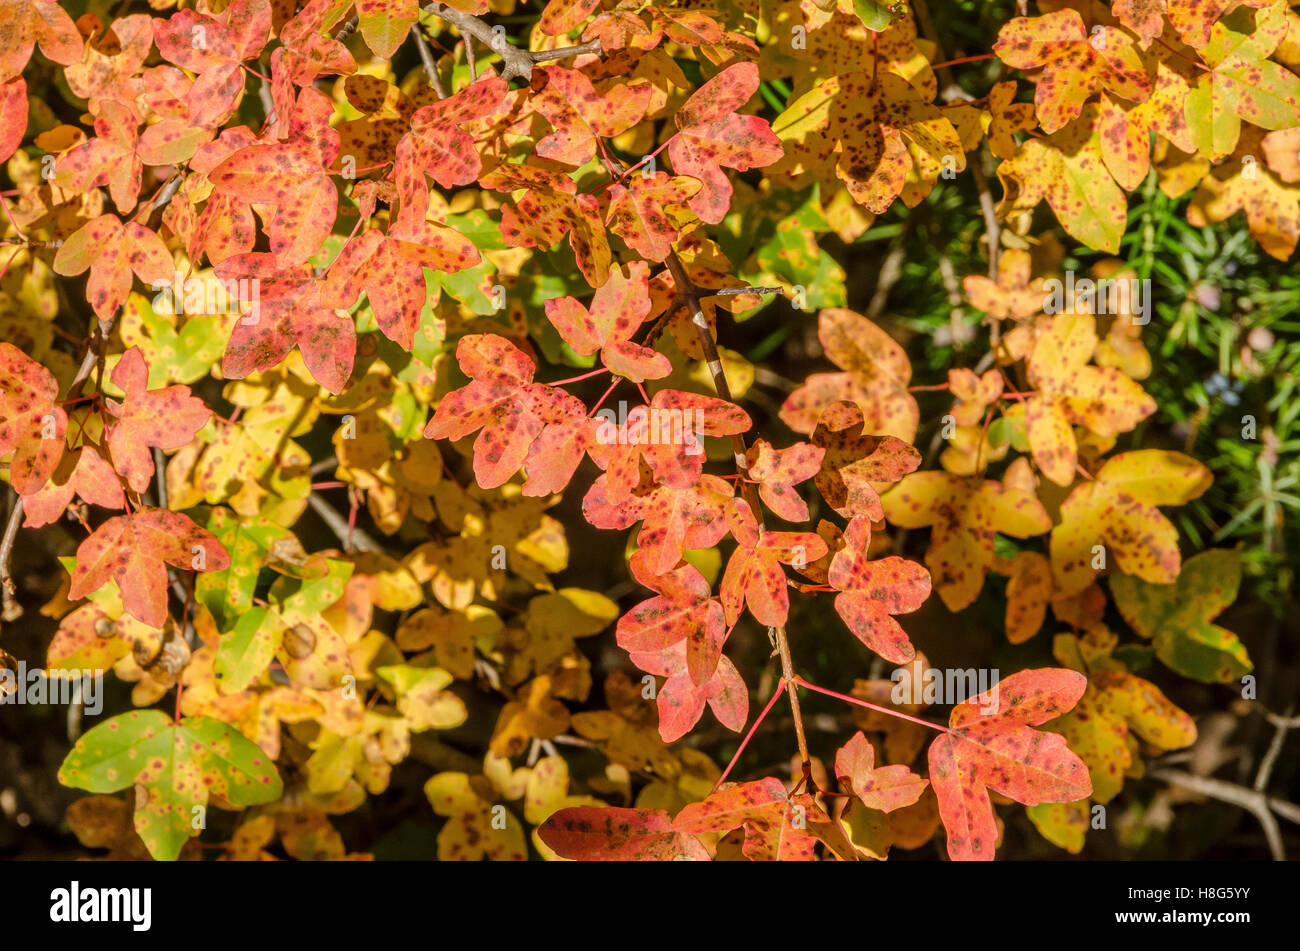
177	767
1177	617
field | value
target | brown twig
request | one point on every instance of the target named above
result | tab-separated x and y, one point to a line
517	63
430	67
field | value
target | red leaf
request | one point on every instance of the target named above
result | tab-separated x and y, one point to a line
617	310
134	549
595	834
990	744
579	114
684	610
754	574
13	116
778	471
713	135
28	22
885	788
871	591
89	476
775	823
168	419
113	251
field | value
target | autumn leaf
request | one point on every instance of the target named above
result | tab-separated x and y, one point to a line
1178	617
1116	514
617	311
854	459
166	419
872	591
965	516
878	787
29	22
215	49
1069	391
512	415
133	551
712	135
611	834
754	576
641	212
1074	63
579	115
876	375
32	425
682	610
778	471
775	823
113	252
989	745
1117	709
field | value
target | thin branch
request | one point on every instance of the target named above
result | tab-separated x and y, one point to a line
1256	803
517	63
360	540
7	589
430	67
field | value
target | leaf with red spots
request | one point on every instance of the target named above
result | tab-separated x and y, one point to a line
1073	63
135	549
879	787
113	252
1069	170
175	768
682	610
519	423
440	146
289	178
754	576
88	475
579	115
548	210
872	591
1242	83
616	312
854	459
965	516
215	48
389	270
167	419
562	16
644	212
595	834
28	22
111	157
876	375
672	519
1116	710
1241	183
666	435
776	824
712	135
989	745
385	24
288	312
1116	515
882	136
1102	399
778	471
32	424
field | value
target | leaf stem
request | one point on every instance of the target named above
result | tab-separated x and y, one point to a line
870	706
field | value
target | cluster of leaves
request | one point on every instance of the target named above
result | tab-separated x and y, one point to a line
511	216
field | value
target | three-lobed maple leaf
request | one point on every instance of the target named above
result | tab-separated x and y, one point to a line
965	515
872	591
878	787
134	550
1073	63
579	115
1103	399
1118	511
32	424
617	311
778	471
754	576
683	609
29	22
989	744
519	423
776	824
214	48
711	134
166	419
113	252
853	459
